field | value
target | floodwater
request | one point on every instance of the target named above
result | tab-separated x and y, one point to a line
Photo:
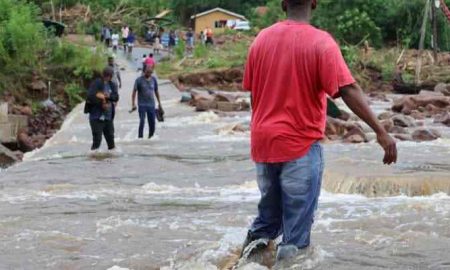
184	199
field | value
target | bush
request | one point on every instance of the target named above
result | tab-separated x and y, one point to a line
74	92
83	62
180	49
22	36
200	51
355	26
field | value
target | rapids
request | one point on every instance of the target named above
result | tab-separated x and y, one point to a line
184	199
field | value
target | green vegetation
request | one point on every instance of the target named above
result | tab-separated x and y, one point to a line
232	53
74	93
382	22
28	50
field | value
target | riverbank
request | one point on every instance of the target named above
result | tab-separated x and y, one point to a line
48	92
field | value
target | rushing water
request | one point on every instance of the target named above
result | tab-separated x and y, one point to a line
184	200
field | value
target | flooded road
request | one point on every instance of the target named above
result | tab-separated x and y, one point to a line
184	199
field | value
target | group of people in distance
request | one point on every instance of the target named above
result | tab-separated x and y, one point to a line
111	38
103	97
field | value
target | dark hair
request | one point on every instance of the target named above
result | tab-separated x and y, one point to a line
296	3
144	55
151	55
108	72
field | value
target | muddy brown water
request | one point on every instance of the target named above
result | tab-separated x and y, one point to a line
184	200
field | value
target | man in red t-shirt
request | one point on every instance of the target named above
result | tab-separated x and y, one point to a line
291	69
150	61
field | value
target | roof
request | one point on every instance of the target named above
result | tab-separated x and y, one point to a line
220	10
163	13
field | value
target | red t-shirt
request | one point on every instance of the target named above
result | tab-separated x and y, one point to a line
149	62
290	70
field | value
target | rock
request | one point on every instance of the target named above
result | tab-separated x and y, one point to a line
356	138
430	93
432	110
25	142
26	110
205	105
385	115
443	89
38	86
19	155
404	104
7	157
355	135
410	103
425	134
338	127
345	115
403	121
398	130
331	129
388	124
403	137
378	96
443	118
233	129
333	137
417	115
228	106
226	97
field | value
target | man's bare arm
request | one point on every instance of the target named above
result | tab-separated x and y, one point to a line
159	100
133	99
354	97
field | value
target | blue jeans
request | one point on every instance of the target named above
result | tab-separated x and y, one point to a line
149	112
289	198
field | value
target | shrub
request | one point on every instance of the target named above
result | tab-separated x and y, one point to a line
180	49
74	92
200	51
355	25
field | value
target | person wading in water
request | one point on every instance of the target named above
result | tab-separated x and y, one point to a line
291	69
146	88
100	104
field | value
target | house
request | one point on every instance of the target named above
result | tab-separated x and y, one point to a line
218	19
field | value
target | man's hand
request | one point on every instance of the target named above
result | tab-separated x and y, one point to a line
106	106
101	96
355	100
160	108
390	148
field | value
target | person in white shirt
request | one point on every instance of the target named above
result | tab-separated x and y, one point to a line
115	41
125	33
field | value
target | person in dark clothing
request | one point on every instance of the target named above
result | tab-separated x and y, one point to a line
100	104
172	41
146	88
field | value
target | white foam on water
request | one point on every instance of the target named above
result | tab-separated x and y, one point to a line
113	223
253	266
190	265
115	267
237	137
200	119
28	235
